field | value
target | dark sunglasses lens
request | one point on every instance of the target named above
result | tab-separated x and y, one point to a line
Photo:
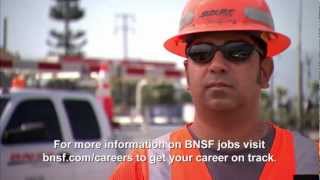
200	53
237	51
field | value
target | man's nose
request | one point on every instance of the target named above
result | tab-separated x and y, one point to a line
218	63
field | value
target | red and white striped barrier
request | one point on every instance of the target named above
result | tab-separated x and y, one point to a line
130	70
48	66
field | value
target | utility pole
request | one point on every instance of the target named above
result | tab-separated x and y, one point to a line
272	98
2	28
308	63
5	33
300	73
125	27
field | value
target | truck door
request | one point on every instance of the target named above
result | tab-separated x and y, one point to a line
29	131
86	127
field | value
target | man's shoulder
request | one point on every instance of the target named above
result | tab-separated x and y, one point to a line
302	144
306	154
299	139
302	140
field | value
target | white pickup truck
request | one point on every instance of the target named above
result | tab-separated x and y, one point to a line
30	121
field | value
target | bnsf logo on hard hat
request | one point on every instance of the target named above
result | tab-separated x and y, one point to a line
218	12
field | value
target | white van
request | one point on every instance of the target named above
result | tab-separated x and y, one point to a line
30	121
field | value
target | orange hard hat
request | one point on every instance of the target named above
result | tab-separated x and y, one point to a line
228	15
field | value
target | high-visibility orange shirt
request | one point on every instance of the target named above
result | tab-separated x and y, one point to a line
293	153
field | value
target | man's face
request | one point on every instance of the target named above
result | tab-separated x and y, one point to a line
222	85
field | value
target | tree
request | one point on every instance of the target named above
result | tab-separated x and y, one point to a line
312	107
185	97
266	106
284	112
158	94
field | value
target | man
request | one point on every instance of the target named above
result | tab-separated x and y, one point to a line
229	47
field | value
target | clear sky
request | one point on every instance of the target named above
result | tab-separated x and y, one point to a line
155	21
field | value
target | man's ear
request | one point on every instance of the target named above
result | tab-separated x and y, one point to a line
266	70
185	63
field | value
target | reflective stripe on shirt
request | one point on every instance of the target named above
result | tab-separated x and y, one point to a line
306	156
160	170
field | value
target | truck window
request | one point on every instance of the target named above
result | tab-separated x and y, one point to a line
32	121
83	120
3	103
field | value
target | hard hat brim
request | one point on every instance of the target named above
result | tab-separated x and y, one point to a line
275	45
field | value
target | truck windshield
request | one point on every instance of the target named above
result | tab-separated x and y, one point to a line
3	103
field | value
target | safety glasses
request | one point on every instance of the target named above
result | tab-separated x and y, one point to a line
234	51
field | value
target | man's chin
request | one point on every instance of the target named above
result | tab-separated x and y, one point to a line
221	105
